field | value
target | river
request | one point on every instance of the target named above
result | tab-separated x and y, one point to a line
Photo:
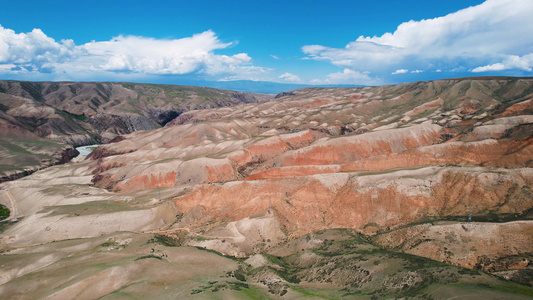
86	150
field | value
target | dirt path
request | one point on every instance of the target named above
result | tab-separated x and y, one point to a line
13	206
239	237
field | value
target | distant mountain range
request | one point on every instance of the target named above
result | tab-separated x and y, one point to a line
265	87
246	86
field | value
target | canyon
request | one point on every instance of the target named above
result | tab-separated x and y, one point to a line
420	189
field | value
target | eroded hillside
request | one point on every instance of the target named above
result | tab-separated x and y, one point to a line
41	121
399	168
91	112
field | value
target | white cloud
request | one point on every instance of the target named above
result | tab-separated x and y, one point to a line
33	49
493	67
290	77
400	71
152	56
477	35
509	62
36	52
417	71
274	56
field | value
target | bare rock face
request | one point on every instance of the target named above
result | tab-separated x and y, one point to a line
401	155
370	203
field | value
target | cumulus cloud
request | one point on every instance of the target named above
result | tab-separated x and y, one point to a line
400	71
493	67
509	62
36	52
290	77
417	71
475	36
152	56
34	49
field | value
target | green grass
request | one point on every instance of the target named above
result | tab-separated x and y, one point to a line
308	293
27	154
241	288
504	287
74	117
253	292
7	168
7	145
275	260
513	288
30	146
4	212
87	208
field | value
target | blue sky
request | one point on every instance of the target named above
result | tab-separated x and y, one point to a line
307	42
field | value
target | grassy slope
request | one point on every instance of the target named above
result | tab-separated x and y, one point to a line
27	154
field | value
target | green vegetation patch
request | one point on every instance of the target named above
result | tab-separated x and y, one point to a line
4	212
165	240
247	290
149	256
27	155
109	244
77	117
254	293
88	208
361	269
306	292
10	146
513	288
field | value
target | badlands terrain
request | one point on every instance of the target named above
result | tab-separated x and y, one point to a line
419	190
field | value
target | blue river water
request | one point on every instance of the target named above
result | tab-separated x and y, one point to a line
86	150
